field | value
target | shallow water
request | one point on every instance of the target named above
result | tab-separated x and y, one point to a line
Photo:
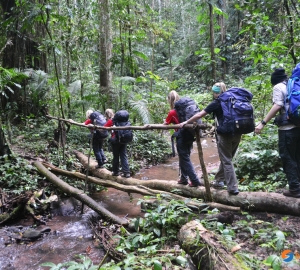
70	234
170	171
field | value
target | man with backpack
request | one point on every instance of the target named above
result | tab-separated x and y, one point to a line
227	142
288	132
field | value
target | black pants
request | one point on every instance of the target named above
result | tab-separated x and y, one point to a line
98	151
184	148
120	153
289	151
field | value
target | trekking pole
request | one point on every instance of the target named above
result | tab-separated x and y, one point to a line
173	148
173	152
201	159
88	169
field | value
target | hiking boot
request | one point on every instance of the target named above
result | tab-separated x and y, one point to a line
99	167
233	192
289	193
217	185
115	174
183	182
196	184
126	175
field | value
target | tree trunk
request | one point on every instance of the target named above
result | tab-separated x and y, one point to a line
207	248
4	146
79	195
212	42
249	201
105	45
138	189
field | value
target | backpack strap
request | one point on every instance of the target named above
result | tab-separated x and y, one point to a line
288	84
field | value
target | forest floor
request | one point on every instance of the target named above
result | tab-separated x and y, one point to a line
257	236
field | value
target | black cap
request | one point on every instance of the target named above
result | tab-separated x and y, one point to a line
278	76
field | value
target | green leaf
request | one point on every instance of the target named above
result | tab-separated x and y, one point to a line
136	240
157	265
280	235
157	231
272	260
181	260
251	230
217	50
141	55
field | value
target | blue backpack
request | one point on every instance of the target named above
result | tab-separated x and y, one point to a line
121	119
237	112
186	108
293	97
98	119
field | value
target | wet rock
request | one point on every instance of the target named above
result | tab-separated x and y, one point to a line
16	236
32	234
45	230
14	229
7	240
65	207
225	217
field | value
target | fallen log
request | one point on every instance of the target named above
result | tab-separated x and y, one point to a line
79	195
140	189
207	249
249	201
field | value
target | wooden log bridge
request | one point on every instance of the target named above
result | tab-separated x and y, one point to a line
248	201
197	127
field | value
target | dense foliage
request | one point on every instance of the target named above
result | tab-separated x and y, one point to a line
34	140
258	165
62	58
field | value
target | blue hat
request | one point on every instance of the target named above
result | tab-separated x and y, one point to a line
216	89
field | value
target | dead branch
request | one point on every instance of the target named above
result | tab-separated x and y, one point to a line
78	194
207	249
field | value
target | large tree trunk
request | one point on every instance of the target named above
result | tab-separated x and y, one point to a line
105	45
138	189
4	146
207	249
250	201
212	42
79	195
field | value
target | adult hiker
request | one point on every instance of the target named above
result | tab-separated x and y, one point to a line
119	147
288	133
184	144
227	143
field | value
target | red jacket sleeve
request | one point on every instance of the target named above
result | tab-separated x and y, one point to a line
109	123
172	118
88	121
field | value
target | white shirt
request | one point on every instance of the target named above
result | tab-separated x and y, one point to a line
279	96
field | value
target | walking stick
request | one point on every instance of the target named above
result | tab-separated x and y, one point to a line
201	159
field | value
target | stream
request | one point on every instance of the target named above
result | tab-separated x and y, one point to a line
70	233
